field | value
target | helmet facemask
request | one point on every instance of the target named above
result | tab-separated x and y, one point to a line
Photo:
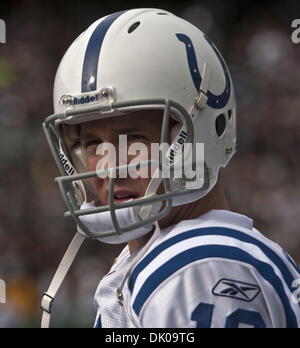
77	190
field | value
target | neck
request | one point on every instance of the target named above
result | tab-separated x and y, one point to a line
214	200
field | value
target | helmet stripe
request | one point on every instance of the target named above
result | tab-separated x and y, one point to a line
90	64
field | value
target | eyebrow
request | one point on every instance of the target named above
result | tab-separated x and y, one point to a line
129	130
85	134
90	134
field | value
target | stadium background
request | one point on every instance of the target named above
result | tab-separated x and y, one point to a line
262	181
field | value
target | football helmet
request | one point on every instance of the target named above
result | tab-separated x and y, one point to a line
134	60
131	61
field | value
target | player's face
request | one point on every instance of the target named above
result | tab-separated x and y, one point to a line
139	127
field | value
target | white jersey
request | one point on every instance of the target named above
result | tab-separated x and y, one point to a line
213	271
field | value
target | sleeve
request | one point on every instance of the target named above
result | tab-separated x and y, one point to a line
217	293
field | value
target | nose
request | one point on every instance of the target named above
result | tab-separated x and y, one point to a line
107	160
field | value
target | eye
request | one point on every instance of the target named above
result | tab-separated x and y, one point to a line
133	137
92	143
91	147
75	144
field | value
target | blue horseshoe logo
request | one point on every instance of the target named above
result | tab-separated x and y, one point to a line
214	101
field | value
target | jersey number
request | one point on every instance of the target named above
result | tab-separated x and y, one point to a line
204	312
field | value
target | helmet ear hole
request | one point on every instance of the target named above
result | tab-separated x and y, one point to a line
220	125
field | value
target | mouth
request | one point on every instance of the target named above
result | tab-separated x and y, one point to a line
124	195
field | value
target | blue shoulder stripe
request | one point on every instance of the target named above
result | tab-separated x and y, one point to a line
92	53
214	231
213	251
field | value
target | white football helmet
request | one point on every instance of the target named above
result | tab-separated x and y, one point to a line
137	59
129	61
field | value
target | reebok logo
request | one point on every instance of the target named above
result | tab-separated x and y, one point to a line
236	289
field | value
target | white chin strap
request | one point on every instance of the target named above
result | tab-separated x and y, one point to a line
58	278
102	222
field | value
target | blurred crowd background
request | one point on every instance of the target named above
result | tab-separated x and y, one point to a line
262	181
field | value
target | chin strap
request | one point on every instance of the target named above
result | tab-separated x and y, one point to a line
59	277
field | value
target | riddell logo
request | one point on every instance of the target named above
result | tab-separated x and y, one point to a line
68	168
178	145
87	100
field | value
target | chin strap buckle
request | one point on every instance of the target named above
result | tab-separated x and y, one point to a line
47	303
201	100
